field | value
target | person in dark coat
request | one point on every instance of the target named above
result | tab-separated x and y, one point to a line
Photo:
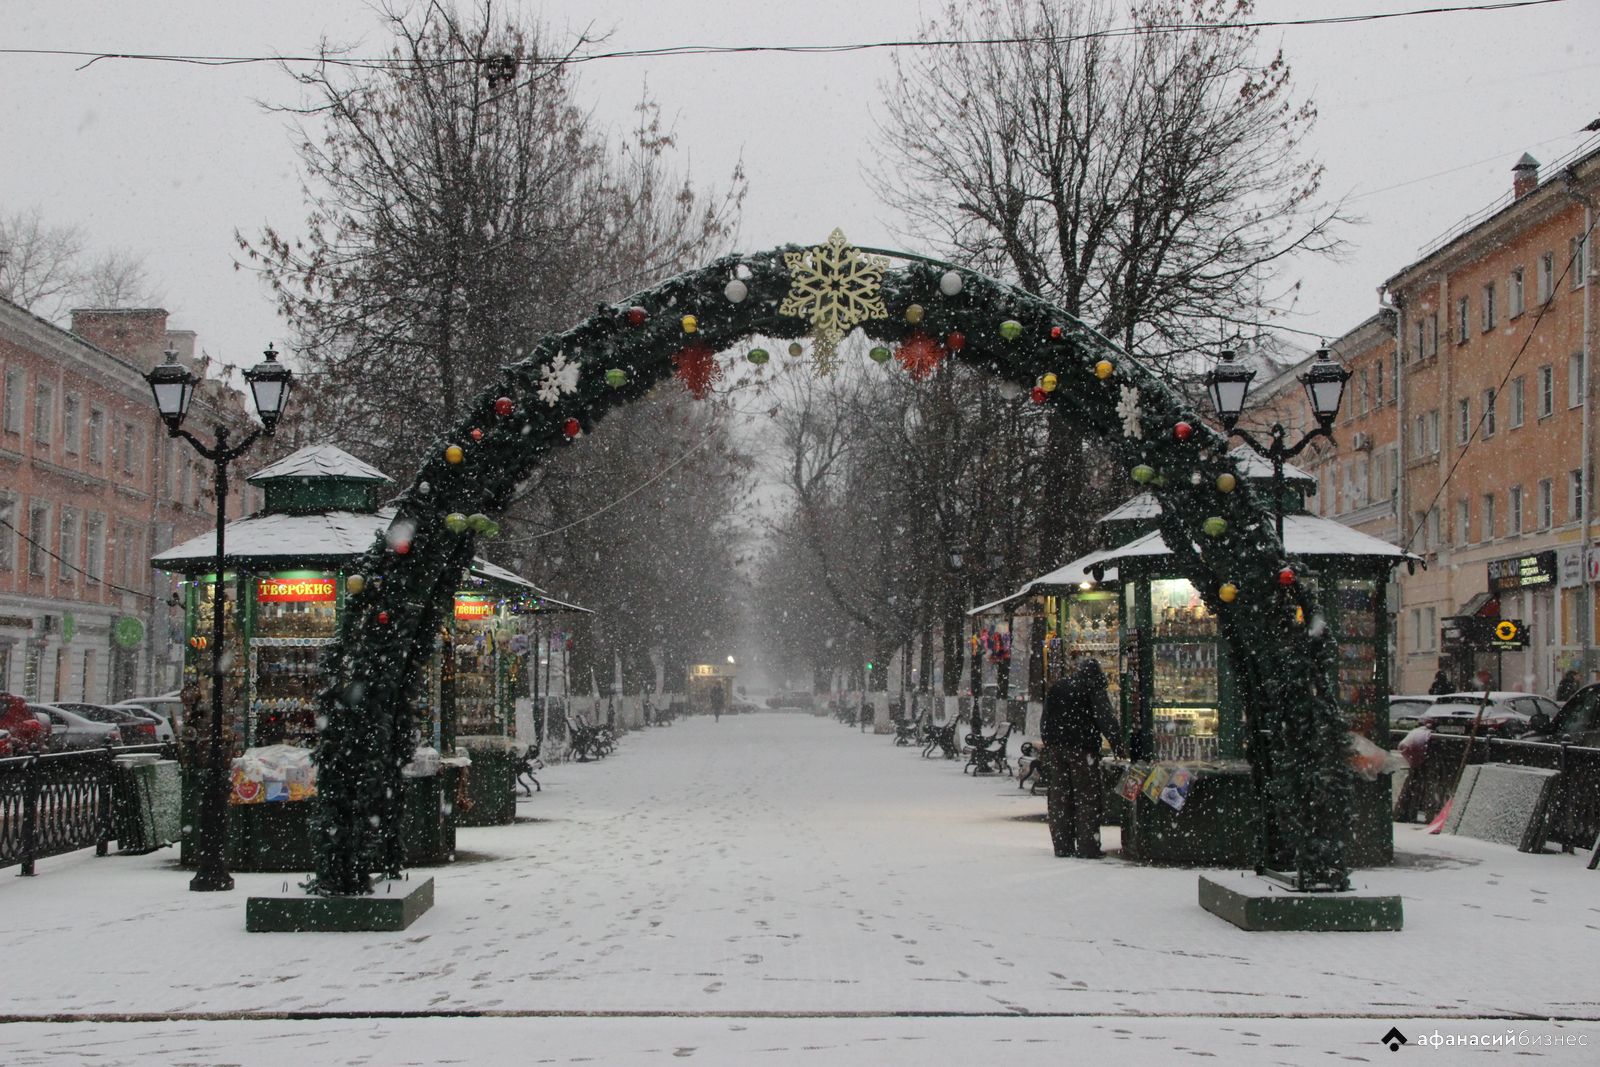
1077	713
1566	687
1440	685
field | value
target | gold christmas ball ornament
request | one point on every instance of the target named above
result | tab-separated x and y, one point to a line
690	324
796	349
1226	483
914	314
1049	382
1227	592
1103	369
453	455
354	584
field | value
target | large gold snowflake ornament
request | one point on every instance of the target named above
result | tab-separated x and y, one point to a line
837	288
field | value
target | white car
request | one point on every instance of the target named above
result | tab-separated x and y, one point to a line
167	706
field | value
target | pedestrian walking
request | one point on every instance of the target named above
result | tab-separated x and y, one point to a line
1440	684
1077	713
1566	687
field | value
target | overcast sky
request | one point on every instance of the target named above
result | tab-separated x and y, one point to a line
1421	120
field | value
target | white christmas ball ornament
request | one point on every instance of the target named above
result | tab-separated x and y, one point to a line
735	291
950	283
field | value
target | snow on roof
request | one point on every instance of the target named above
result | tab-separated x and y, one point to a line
1303	535
483	569
329	535
1142	506
319	461
1067	576
1253	466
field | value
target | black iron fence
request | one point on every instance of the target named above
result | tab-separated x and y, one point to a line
1573	818
58	802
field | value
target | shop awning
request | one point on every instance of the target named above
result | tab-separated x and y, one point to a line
276	541
1303	535
1067	578
512	582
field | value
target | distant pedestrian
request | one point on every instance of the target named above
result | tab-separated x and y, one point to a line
1440	685
1077	712
1566	687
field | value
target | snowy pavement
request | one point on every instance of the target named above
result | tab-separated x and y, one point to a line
778	889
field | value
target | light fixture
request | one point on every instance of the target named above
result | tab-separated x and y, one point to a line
270	382
173	386
1324	384
1228	384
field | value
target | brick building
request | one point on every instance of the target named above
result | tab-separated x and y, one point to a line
90	488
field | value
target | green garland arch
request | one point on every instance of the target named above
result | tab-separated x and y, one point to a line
1296	738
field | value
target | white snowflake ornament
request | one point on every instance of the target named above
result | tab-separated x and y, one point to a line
557	378
1128	412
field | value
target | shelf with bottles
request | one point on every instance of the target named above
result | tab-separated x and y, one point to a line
1185	671
295	621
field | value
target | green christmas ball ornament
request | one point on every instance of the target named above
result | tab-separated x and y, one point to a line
455	522
1144	474
616	377
1010	329
758	356
879	354
478	521
490	529
1215	526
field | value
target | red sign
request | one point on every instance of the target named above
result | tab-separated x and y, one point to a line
469	608
294	590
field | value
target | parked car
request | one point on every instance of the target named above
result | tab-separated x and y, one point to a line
71	731
136	728
169	706
1577	722
5	744
24	727
1405	712
1505	714
792	699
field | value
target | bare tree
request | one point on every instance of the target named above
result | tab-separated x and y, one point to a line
118	279
41	266
462	205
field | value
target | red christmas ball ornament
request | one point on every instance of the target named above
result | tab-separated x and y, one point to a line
476	434
503	406
1183	431
956	341
1056	333
1286	576
383	618
637	315
1038	394
402	548
571	428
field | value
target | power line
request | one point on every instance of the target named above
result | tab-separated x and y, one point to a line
96	579
390	62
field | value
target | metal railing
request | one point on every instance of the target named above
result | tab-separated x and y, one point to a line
1573	817
58	802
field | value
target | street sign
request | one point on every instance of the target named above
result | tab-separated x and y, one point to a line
1508	635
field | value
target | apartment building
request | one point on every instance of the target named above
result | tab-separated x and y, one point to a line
1493	326
90	488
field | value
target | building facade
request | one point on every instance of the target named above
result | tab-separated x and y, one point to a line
90	488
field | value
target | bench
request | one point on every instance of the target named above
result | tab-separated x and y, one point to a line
987	755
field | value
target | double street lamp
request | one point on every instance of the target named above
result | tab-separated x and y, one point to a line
173	386
1229	383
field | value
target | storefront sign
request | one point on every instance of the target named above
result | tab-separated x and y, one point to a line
127	632
1508	635
295	590
1522	572
474	608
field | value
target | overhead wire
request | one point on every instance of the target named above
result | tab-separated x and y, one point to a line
95	578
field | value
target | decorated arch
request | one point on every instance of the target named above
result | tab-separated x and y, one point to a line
917	313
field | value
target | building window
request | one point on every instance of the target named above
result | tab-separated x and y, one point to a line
1463	522
1518	402
1488	414
1432	332
1430	633
1435	538
1514	297
1514	511
1547	276
1366	389
38	538
44	411
1463	321
1575	380
1433	432
67	547
1463	421
1486	518
130	449
1547	504
94	548
1547	391
1575	496
71	428
1377	381
1488	307
8	536
1578	249
97	436
11	409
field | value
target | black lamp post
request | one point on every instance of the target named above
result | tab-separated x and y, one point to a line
173	387
1229	383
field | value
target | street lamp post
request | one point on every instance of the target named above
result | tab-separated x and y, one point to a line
1229	383
173	387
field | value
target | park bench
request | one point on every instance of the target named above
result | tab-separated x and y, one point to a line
906	731
987	755
943	740
529	766
1030	770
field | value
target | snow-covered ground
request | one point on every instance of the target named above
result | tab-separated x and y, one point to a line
775	889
